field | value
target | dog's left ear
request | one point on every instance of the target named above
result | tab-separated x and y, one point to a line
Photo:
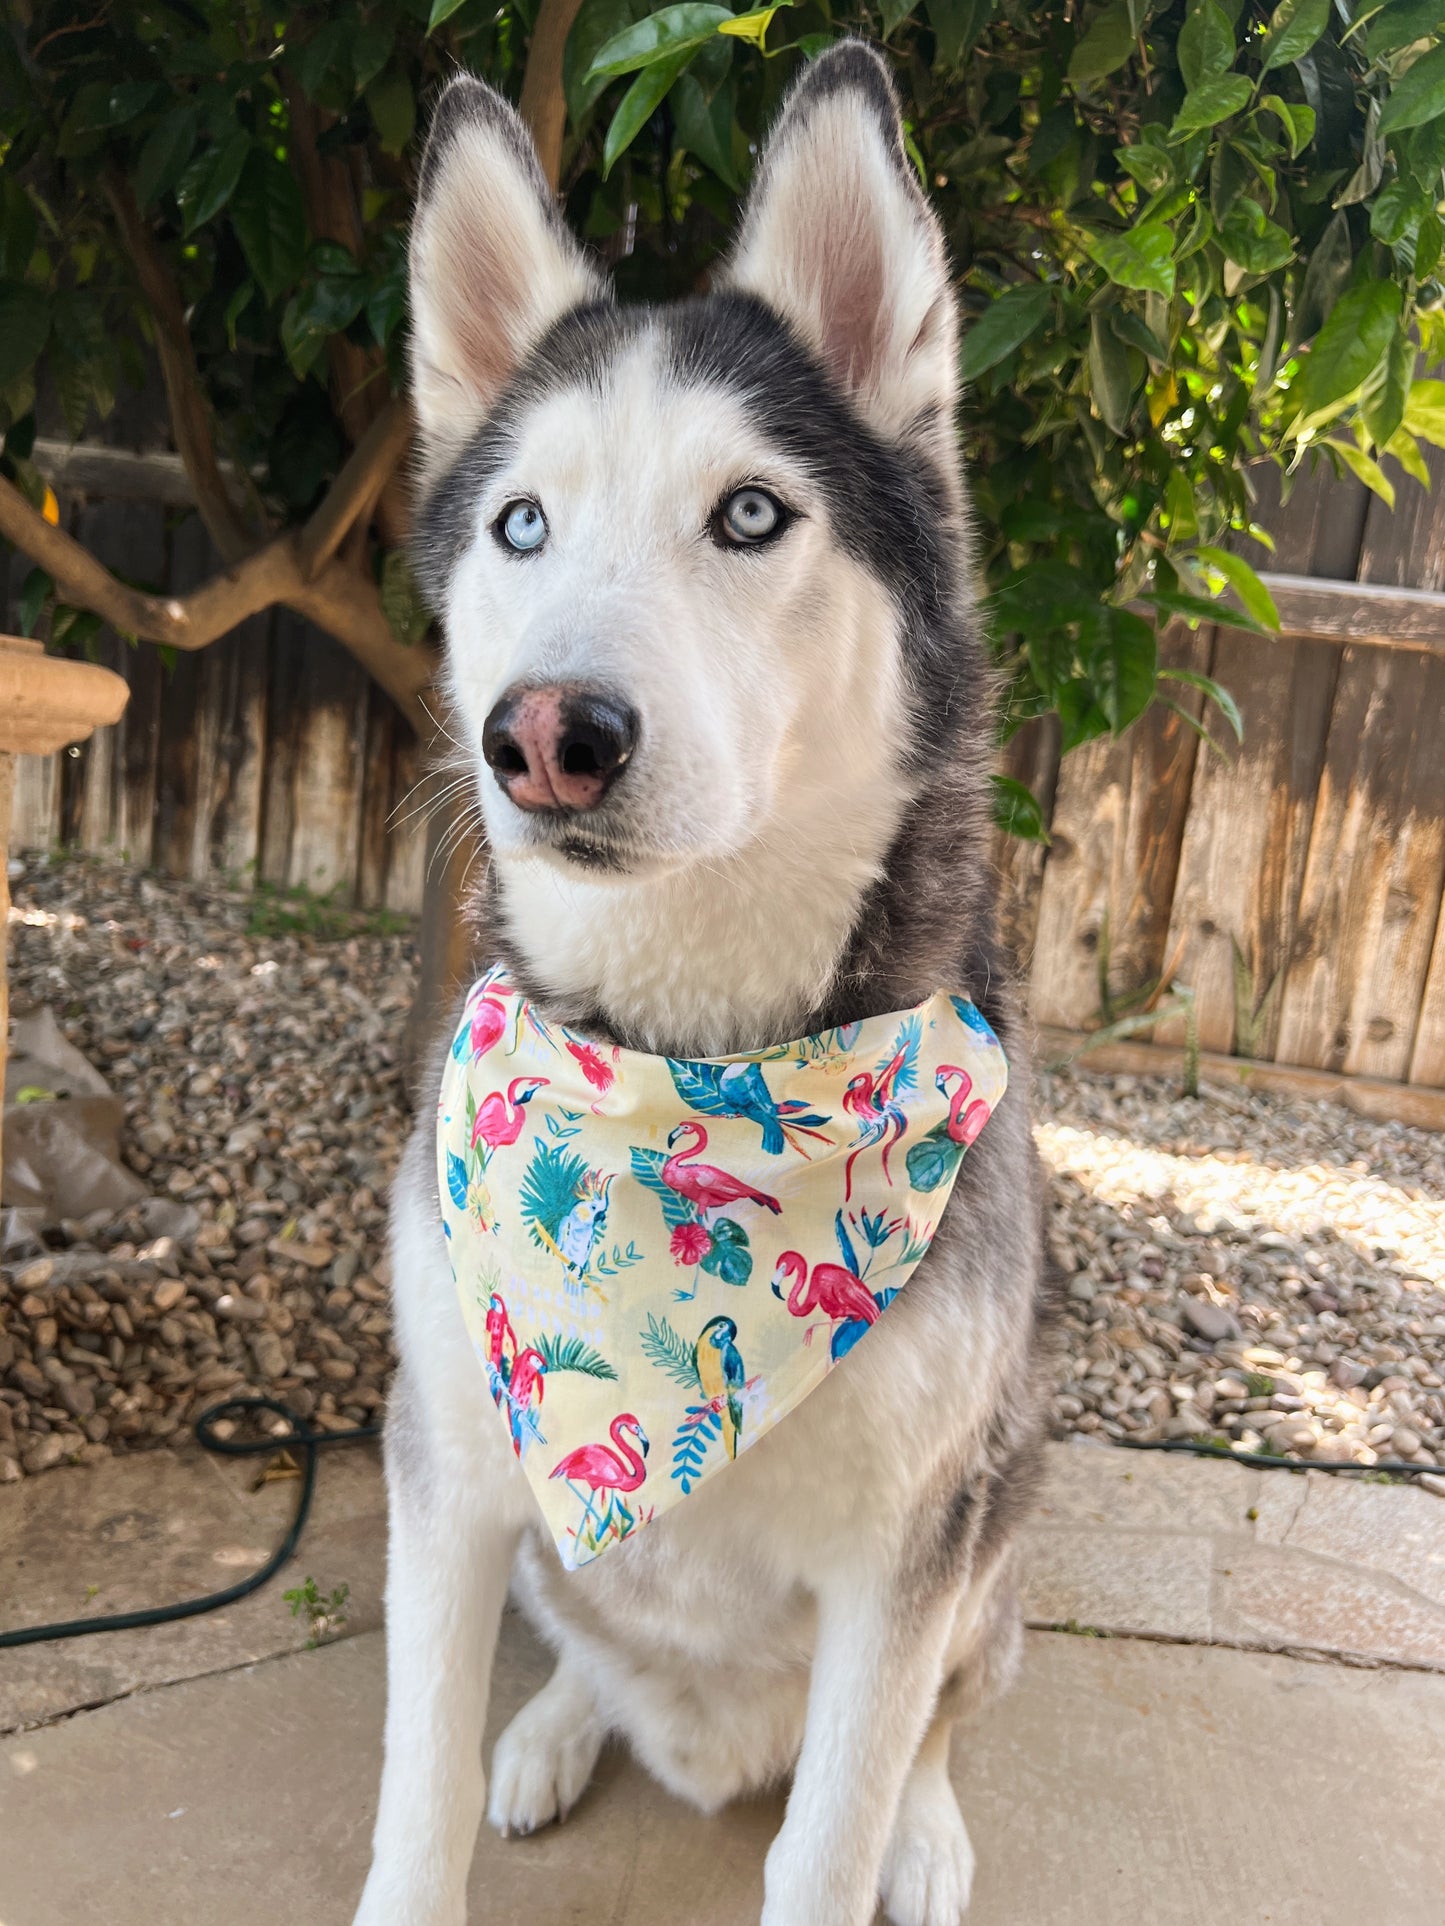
838	238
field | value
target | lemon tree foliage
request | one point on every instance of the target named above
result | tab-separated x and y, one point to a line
1192	240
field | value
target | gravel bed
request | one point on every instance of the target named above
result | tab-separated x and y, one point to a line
1247	1269
1240	1267
261	1073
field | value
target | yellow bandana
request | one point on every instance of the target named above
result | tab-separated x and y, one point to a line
658	1259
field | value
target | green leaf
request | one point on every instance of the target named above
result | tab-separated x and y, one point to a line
1417	96
638	105
24	329
1425	412
211	179
441	12
1151	166
895	12
370	50
1384	399
1105	47
1002	327
956	26
1254	241
1325	277
392	106
705	127
35	591
1406	450
1367	471
1215	101
661	36
269	222
1217	693
1205	48
1294	27
1398	210
1125	667
167	148
1402	24
1297	120
1142	258
1252	593
1016	810
1109	382
1349	347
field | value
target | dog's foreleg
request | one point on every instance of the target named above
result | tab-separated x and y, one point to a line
877	1665
449	1562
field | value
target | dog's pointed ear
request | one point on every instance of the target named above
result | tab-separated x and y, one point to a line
491	265
838	238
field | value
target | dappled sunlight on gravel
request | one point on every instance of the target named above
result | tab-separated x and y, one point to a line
1246	1267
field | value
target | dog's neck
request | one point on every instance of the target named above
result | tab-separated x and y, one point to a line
827	918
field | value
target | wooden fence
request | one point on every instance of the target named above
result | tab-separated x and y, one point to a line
1294	887
268	756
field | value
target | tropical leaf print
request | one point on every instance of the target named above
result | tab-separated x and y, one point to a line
669	1352
457	1179
701	1427
933	1159
647	1169
730	1259
560	1353
553	1183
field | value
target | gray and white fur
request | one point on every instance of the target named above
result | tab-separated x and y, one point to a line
796	837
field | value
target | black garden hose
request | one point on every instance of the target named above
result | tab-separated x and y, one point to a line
301	1439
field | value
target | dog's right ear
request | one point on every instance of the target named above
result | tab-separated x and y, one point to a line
492	265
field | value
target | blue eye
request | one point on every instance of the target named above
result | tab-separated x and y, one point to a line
523	526
751	515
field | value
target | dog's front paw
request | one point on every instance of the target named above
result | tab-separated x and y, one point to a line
928	1873
542	1763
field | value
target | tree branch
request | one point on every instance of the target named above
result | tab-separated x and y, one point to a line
190	411
357	488
543	103
340	599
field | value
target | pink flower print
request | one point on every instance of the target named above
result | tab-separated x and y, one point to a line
690	1243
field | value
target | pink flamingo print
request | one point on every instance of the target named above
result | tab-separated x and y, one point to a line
838	1294
594	1066
964	1126
870	1099
499	1119
599	1469
704	1185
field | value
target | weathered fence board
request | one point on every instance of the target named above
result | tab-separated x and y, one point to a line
1241	865
1118	819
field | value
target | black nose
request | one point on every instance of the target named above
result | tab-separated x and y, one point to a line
558	748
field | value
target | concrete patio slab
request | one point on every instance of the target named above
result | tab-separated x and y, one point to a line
1142	1544
1122	1780
160	1526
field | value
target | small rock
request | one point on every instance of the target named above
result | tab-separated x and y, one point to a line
1405	1442
43	1452
1428	1481
167	1295
1209	1321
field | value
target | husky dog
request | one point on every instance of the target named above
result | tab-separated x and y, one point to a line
706	583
